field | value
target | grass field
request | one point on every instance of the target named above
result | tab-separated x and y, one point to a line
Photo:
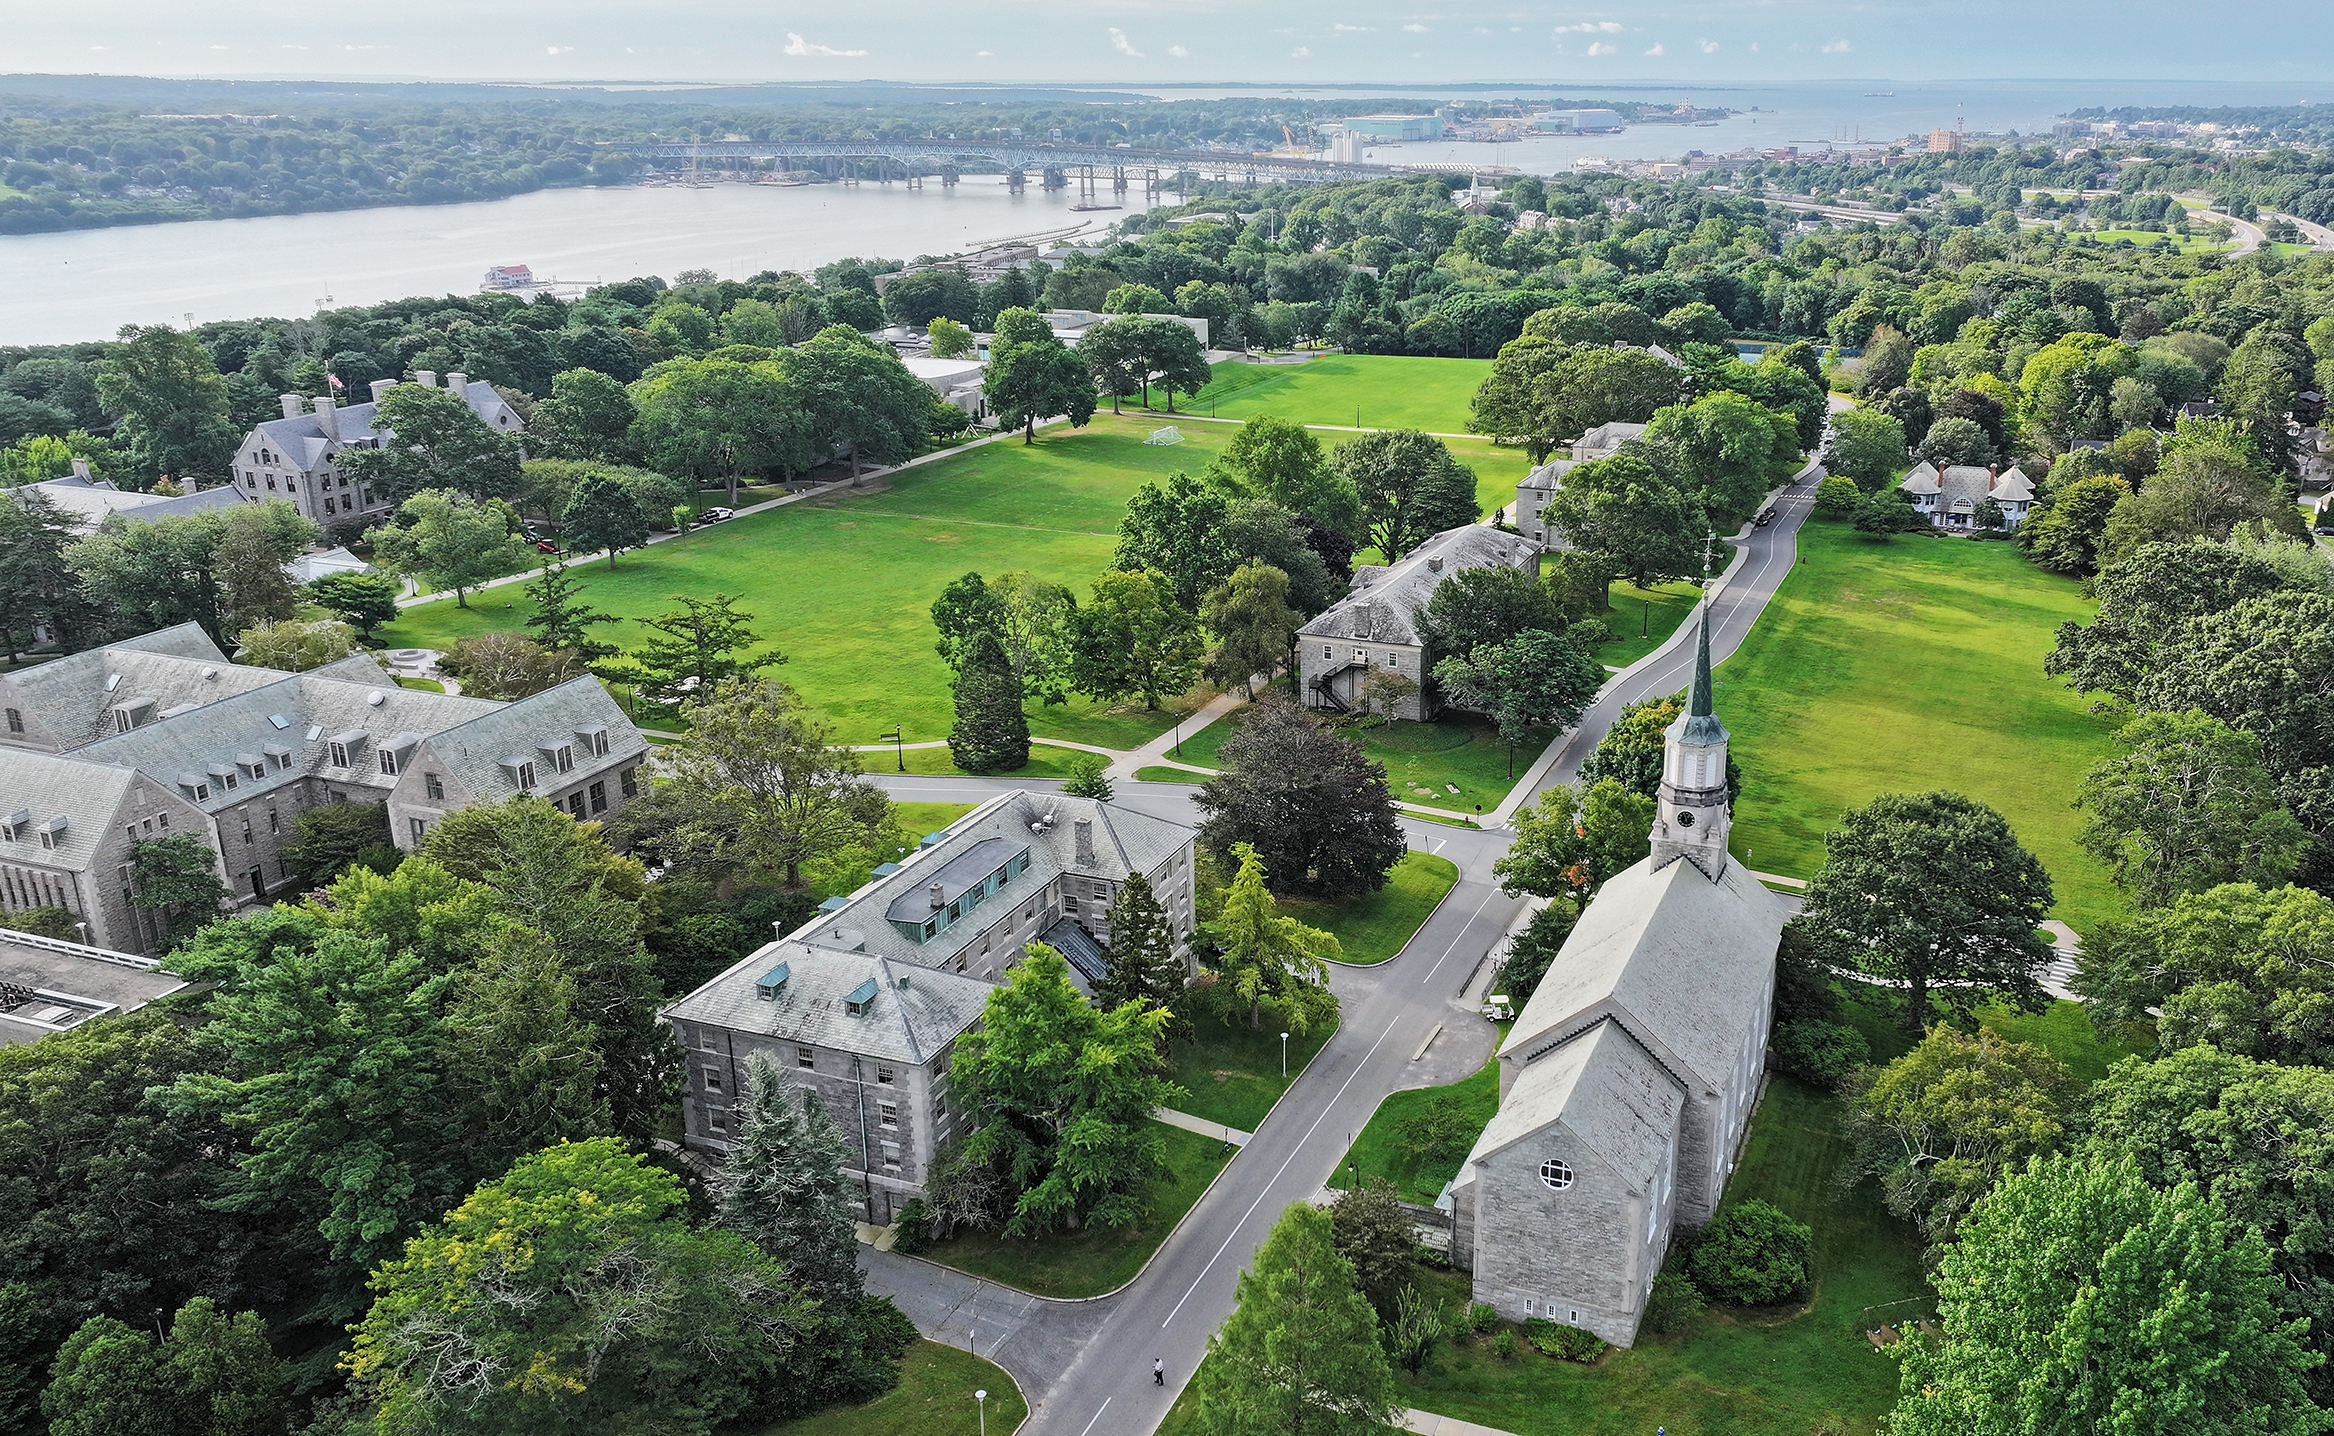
921	818
1643	619
1348	391
1905	666
1424	761
1375	926
934	1398
1097	1259
1377	1152
1234	1074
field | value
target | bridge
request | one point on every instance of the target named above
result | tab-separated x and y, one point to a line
1058	165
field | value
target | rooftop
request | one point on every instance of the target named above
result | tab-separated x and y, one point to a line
50	986
1384	604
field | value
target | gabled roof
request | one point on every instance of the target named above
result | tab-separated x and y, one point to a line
72	698
45	787
1607	1090
915	1012
1681	961
91	502
473	748
1383	607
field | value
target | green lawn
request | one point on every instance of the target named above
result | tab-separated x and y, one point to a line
1096	1260
2064	1029
1643	619
1169	775
1234	1074
1375	926
921	818
1368	391
1904	666
1377	1151
934	1398
1045	761
1424	761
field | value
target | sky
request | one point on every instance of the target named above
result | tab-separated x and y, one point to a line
1154	42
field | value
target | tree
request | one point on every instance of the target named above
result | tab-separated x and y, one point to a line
1316	809
1481	607
2254	1136
1931	891
916	299
1535	680
2208	482
449	542
573	1293
1059	1096
38	586
1370	1228
295	645
1144	965
859	395
1940	1124
160	572
1752	1254
249	565
2065	537
109	1378
1409	486
1572	839
1253	624
1885	513
1172	357
440	443
1631	750
991	733
2145	600
506	666
1034	623
327	839
1127	642
521	1054
177	881
1867	446
226	1377
2254	666
1175	532
696	646
1282	463
2188	805
1533	951
1509	404
588	416
783	1187
1593	385
1265	958
1722	448
1090	778
1887	362
562	620
949	339
789	792
1114	353
362	600
2079	1298
1299	1356
1957	440
602	515
2248	970
170	405
1135	299
1623	509
716	419
1031	376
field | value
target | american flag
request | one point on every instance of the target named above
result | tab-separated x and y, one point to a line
333	379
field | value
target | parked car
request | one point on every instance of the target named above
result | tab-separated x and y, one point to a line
546	546
714	515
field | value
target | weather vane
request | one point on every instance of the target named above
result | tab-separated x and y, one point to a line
1709	543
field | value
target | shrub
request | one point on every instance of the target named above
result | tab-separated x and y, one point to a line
1482	1316
1820	1052
1565	1343
1441	1129
913	1224
1836	497
1675	1301
1087	778
1503	1345
1751	1254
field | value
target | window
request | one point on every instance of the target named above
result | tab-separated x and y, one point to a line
891	1156
626	785
717	1121
274	823
883	1074
599	797
802	1057
15	720
164	820
712	1080
887	1115
329	507
522	776
1393	660
132	830
247	830
419	828
227	778
433	787
340	754
1327	651
388	763
575	804
1555	1174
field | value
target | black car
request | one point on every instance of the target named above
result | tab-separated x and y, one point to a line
1766	517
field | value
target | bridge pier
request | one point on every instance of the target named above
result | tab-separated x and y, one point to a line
1056	178
1016	180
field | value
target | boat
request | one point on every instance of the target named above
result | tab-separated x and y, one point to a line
1091	208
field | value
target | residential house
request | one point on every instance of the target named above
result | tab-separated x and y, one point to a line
1951	497
1537	488
1374	628
864	1003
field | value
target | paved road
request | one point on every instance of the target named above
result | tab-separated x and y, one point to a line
1085	1365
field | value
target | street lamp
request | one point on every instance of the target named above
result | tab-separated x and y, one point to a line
983	1398
898	753
1284	1057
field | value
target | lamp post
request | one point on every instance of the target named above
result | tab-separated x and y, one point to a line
1284	1057
983	1398
899	756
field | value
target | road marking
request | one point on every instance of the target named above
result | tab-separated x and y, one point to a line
1464	929
1438	846
1294	1149
1097	1414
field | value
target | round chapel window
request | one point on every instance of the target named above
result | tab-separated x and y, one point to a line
1556	1174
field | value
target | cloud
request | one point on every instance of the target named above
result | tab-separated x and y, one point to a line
559	49
796	45
1657	49
1120	43
1343	29
1707	47
1415	29
291	47
356	47
1754	47
1300	53
984	54
1591	27
1179	52
1837	47
1601	48
101	47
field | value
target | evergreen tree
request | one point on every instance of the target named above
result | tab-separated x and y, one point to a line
783	1187
1300	1357
603	514
991	733
525	1062
561	617
706	639
249	566
364	601
1265	956
1143	963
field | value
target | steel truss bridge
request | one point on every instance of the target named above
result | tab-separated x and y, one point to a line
1057	166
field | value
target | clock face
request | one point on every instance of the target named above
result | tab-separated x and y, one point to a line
1685	819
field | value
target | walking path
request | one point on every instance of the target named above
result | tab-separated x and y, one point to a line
1203	1126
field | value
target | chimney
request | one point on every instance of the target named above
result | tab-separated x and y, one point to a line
328	416
292	403
382	386
81	470
456	381
1083	828
426	378
937	903
1435	564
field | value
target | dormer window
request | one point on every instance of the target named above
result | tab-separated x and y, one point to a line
53	832
560	757
344	748
520	772
388	763
12	827
593	740
15	720
861	999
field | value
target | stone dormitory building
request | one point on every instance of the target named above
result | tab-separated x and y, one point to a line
162	736
863	1004
1537	489
1374	628
296	457
1626	1084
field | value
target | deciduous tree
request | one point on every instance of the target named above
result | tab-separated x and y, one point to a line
716	419
2188	805
1250	616
295	645
364	601
1623	509
602	514
1409	486
588	415
449	541
793	794
170	405
1316	809
1030	375
1127	642
440	443
2248	970
1867	446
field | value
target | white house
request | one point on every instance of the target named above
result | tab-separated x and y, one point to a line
1951	498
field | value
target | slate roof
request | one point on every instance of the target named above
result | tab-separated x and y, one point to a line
90	501
1681	961
1962	487
473	748
45	787
1077	946
69	698
915	1014
1604	1087
302	439
1384	604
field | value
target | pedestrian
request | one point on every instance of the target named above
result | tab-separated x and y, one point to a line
1158	1371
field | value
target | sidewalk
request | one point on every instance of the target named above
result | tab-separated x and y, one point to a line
1202	1126
1426	1423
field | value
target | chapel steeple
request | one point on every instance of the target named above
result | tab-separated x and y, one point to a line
1692	820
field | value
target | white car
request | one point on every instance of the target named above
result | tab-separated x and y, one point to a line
714	515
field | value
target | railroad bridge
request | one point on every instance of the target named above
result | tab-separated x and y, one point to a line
1057	165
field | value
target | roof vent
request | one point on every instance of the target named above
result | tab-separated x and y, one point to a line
376	698
903	984
210	673
278	720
